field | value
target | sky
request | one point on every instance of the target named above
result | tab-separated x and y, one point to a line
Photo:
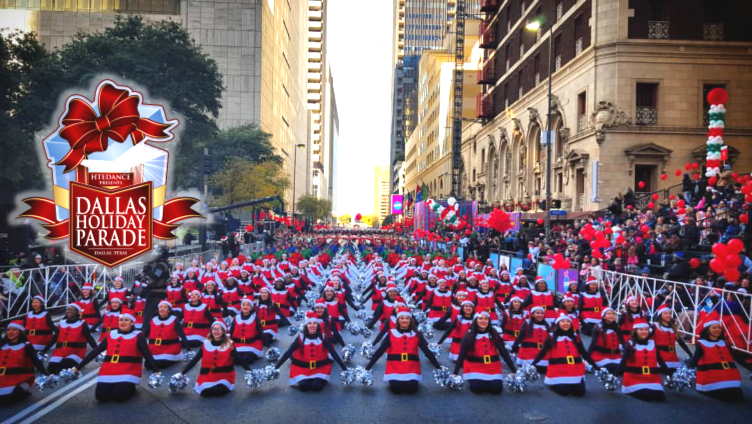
359	41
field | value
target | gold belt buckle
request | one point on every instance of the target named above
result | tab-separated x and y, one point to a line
443	308
645	370
158	342
516	333
32	332
279	305
140	313
725	365
486	359
65	344
263	323
115	359
404	357
596	309
544	307
540	346
570	360
312	365
242	340
671	349
2	370
190	325
107	329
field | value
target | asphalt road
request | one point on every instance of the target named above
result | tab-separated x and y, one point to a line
276	401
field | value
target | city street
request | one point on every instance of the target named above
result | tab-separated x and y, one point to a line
277	402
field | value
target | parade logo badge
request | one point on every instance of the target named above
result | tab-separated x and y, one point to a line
109	183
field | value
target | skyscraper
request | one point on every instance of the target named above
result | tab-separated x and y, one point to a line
381	192
418	25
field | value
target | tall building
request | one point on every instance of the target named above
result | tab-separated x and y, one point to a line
630	80
418	25
428	157
334	143
259	46
381	192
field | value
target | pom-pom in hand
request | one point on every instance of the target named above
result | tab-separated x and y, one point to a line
155	380
348	352
178	382
272	354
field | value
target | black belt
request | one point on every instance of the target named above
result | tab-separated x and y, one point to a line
717	366
602	349
244	340
34	332
568	360
216	369
402	357
195	325
439	308
532	344
16	371
666	348
265	323
311	365
70	344
116	359
642	370
485	359
92	315
162	342
593	309
282	305
514	333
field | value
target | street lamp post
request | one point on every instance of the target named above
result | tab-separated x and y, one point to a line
294	178
537	26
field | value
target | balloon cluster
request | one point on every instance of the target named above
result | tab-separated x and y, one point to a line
449	215
609	381
681	380
499	221
561	263
716	151
272	354
727	260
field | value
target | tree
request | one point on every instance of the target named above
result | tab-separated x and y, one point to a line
344	218
389	220
246	141
314	207
160	56
242	180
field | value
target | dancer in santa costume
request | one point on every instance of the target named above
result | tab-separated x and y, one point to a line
591	305
329	327
311	356
563	348
521	287
212	298
337	310
232	294
217	355
479	356
402	360
383	312
717	374
485	298
641	365
196	320
512	319
121	369
40	329
89	306
247	334
438	301
632	313
269	314
119	291
666	338
530	341
70	341
606	342
110	319
18	358
175	293
542	296
458	329
166	336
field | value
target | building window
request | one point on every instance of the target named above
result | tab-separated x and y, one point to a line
557	51
538	15
522	7
647	102
520	90
705	105
582	111
473	175
658	25
714	16
507	53
559	9
482	158
579	32
522	42
509	21
506	96
536	69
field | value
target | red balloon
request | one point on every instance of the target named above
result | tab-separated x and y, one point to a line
468	232
718	266
249	228
720	250
672	197
651	205
695	165
694	262
687	166
641	184
664	177
712	181
697	175
678	173
744	219
620	239
732	275
733	260
358	217
655	196
540	221
718	96
681	203
681	211
735	246
748	198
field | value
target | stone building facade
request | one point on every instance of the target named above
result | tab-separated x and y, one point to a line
629	83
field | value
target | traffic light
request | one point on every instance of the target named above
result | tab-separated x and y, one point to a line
556	204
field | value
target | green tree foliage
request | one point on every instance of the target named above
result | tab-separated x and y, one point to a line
248	142
159	56
389	220
314	207
242	180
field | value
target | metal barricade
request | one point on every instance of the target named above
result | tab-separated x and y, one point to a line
688	302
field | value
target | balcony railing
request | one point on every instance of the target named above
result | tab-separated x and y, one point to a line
537	78
712	32
487	72
646	115
484	106
559	11
487	33
582	123
658	30
558	62
489	5
578	46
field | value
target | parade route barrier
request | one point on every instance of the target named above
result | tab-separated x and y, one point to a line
689	304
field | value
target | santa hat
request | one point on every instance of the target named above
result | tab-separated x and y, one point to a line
87	286
194	291
629	299
116	299
563	317
210	282
603	312
178	264
467	302
219	323
519	269
403	312
568	299
640	323
246	300
391	287
266	289
74	305
17	324
517	298
536	308
460	291
712	319
482	311
39	298
312	317
662	309
539	279
128	313
592	280
164	302
119	278
320	302
505	272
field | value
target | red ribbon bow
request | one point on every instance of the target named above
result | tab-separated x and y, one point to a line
88	133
